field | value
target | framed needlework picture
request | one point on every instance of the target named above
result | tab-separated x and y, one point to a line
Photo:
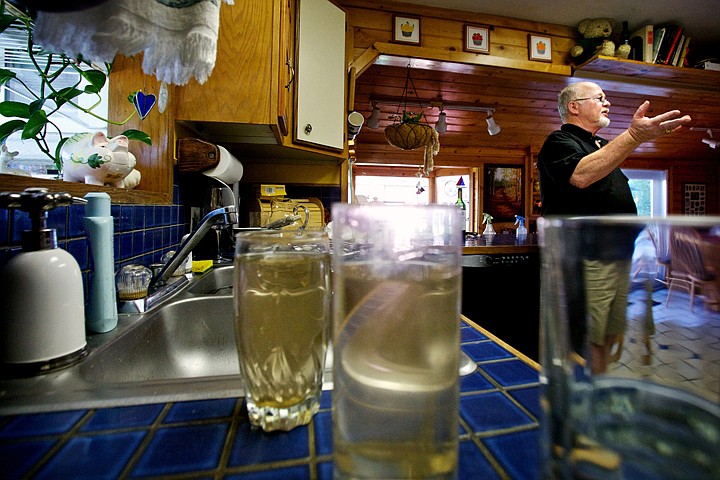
406	30
540	48
477	39
694	198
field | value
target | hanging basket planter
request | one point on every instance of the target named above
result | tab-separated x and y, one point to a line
409	136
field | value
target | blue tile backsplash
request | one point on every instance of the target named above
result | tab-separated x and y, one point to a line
142	233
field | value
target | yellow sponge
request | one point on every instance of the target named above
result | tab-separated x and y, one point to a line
200	266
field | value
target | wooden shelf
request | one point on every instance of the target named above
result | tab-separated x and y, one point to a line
15	183
680	77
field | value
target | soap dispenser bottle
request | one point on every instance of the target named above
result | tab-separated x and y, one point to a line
41	293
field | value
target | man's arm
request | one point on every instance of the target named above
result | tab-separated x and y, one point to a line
600	163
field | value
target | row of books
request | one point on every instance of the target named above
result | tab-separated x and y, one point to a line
666	45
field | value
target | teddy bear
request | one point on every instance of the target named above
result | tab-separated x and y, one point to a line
596	34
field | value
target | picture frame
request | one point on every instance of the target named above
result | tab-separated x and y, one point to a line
406	29
694	198
504	191
539	48
476	39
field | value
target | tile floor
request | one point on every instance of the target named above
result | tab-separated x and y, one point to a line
684	344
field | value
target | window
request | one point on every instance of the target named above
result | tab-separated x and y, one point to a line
13	56
649	189
447	192
392	190
402	186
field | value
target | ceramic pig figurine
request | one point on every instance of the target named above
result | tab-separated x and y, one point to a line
6	156
96	160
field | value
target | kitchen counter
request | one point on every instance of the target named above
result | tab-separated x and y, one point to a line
498	432
500	243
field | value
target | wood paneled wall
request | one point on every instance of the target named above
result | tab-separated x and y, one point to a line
523	92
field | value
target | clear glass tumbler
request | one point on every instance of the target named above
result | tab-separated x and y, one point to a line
396	316
282	323
630	349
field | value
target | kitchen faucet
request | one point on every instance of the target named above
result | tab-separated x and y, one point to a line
220	216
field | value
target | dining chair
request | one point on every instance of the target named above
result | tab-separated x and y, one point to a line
688	267
659	236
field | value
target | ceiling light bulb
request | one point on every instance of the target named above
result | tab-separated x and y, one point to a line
493	128
374	120
441	125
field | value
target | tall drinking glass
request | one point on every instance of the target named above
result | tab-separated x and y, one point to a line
282	323
630	321
396	310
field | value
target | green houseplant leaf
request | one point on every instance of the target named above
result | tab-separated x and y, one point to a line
137	135
65	95
8	128
6	76
96	79
35	124
14	109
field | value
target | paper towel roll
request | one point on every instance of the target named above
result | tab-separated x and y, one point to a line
229	169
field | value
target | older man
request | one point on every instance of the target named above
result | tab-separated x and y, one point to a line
580	174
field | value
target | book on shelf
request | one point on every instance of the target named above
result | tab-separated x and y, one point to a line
683	55
672	44
641	42
672	35
658	37
676	53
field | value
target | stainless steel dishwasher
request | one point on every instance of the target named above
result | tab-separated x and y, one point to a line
501	293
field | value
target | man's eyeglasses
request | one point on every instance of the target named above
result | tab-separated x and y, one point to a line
601	98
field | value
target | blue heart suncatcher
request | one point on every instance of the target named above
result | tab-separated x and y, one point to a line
144	103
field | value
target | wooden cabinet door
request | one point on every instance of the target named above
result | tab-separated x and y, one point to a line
287	66
242	87
320	74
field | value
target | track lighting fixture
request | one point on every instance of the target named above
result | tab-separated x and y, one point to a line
374	120
493	127
710	141
441	125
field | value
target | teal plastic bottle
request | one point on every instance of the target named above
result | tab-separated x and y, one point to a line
101	315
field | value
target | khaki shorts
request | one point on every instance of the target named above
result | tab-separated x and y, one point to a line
607	284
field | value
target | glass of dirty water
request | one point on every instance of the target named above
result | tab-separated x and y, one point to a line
282	323
396	317
630	349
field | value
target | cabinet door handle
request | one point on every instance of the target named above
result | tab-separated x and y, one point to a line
292	71
308	129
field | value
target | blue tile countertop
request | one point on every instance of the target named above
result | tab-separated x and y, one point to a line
498	431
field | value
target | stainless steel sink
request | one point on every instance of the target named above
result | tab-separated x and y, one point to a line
183	349
188	338
219	281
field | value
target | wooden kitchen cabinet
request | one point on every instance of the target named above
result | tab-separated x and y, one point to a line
252	59
250	98
320	92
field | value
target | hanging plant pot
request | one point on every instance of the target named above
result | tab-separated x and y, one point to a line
409	136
